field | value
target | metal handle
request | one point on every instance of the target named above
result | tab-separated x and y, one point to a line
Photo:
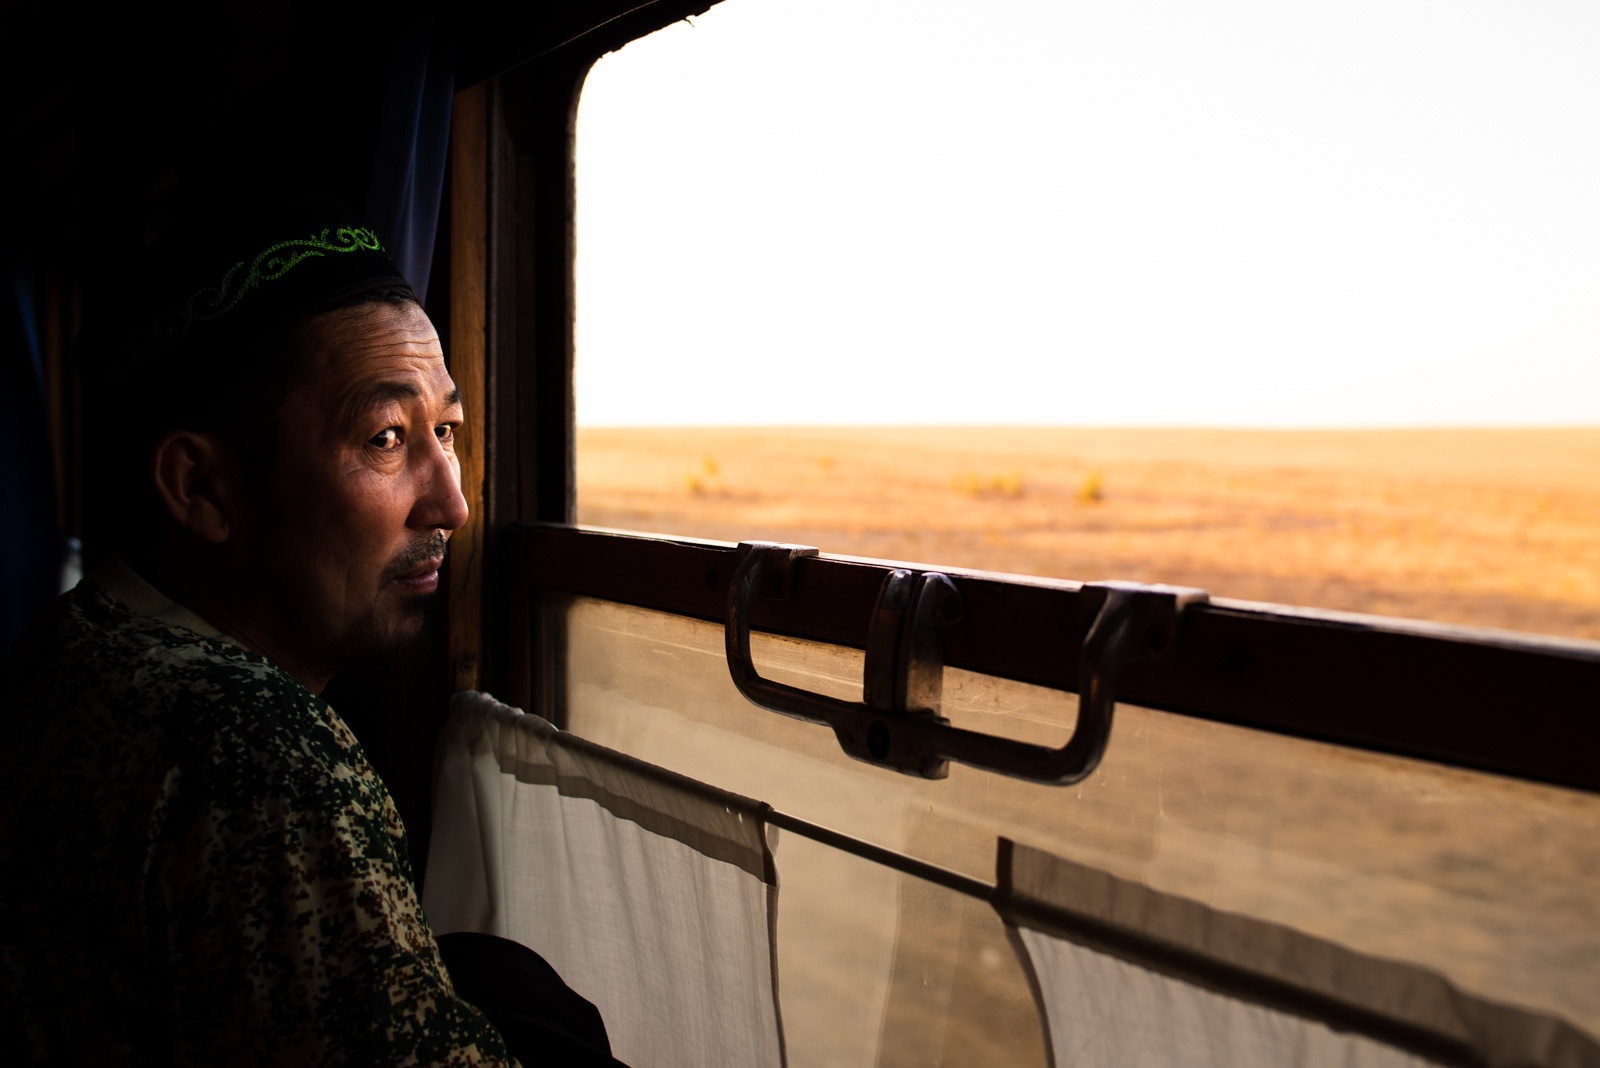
1132	622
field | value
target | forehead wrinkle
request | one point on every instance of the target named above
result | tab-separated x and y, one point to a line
375	395
372	395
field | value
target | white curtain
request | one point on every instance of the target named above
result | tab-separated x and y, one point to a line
1128	977
653	895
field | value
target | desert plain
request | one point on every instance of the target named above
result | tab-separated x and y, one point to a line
1480	527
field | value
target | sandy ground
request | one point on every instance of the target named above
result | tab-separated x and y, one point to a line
1493	528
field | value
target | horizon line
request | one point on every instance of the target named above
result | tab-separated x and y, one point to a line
1232	428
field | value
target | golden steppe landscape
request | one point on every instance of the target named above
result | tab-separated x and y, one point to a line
1481	527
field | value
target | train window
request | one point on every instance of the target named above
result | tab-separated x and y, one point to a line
927	288
1224	298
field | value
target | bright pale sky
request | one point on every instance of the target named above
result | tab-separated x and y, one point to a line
1235	213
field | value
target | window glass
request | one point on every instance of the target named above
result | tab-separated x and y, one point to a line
1345	258
1486	880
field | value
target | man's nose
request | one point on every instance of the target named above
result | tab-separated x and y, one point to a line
440	504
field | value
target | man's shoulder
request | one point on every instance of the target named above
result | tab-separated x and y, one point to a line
97	689
88	651
119	716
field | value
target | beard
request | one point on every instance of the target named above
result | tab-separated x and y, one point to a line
384	664
397	636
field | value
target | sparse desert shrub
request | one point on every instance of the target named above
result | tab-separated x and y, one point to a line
1092	489
967	485
1007	484
705	480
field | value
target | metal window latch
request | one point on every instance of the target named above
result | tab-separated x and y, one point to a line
904	673
898	724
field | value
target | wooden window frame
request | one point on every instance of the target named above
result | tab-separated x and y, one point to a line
1520	705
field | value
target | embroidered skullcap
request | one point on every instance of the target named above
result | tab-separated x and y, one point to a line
201	289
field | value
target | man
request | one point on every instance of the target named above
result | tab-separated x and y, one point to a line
197	863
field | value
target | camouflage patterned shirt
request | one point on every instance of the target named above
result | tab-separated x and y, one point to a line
197	863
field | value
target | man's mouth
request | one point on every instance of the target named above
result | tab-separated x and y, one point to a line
417	571
423	579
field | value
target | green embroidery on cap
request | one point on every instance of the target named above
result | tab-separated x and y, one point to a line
211	302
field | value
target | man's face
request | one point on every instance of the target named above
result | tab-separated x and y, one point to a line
364	491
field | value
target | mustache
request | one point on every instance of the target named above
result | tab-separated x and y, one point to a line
434	547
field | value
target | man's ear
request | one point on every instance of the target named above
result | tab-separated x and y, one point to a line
193	480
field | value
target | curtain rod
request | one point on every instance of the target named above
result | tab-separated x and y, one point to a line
933	873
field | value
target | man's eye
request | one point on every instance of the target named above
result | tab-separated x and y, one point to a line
445	432
387	438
